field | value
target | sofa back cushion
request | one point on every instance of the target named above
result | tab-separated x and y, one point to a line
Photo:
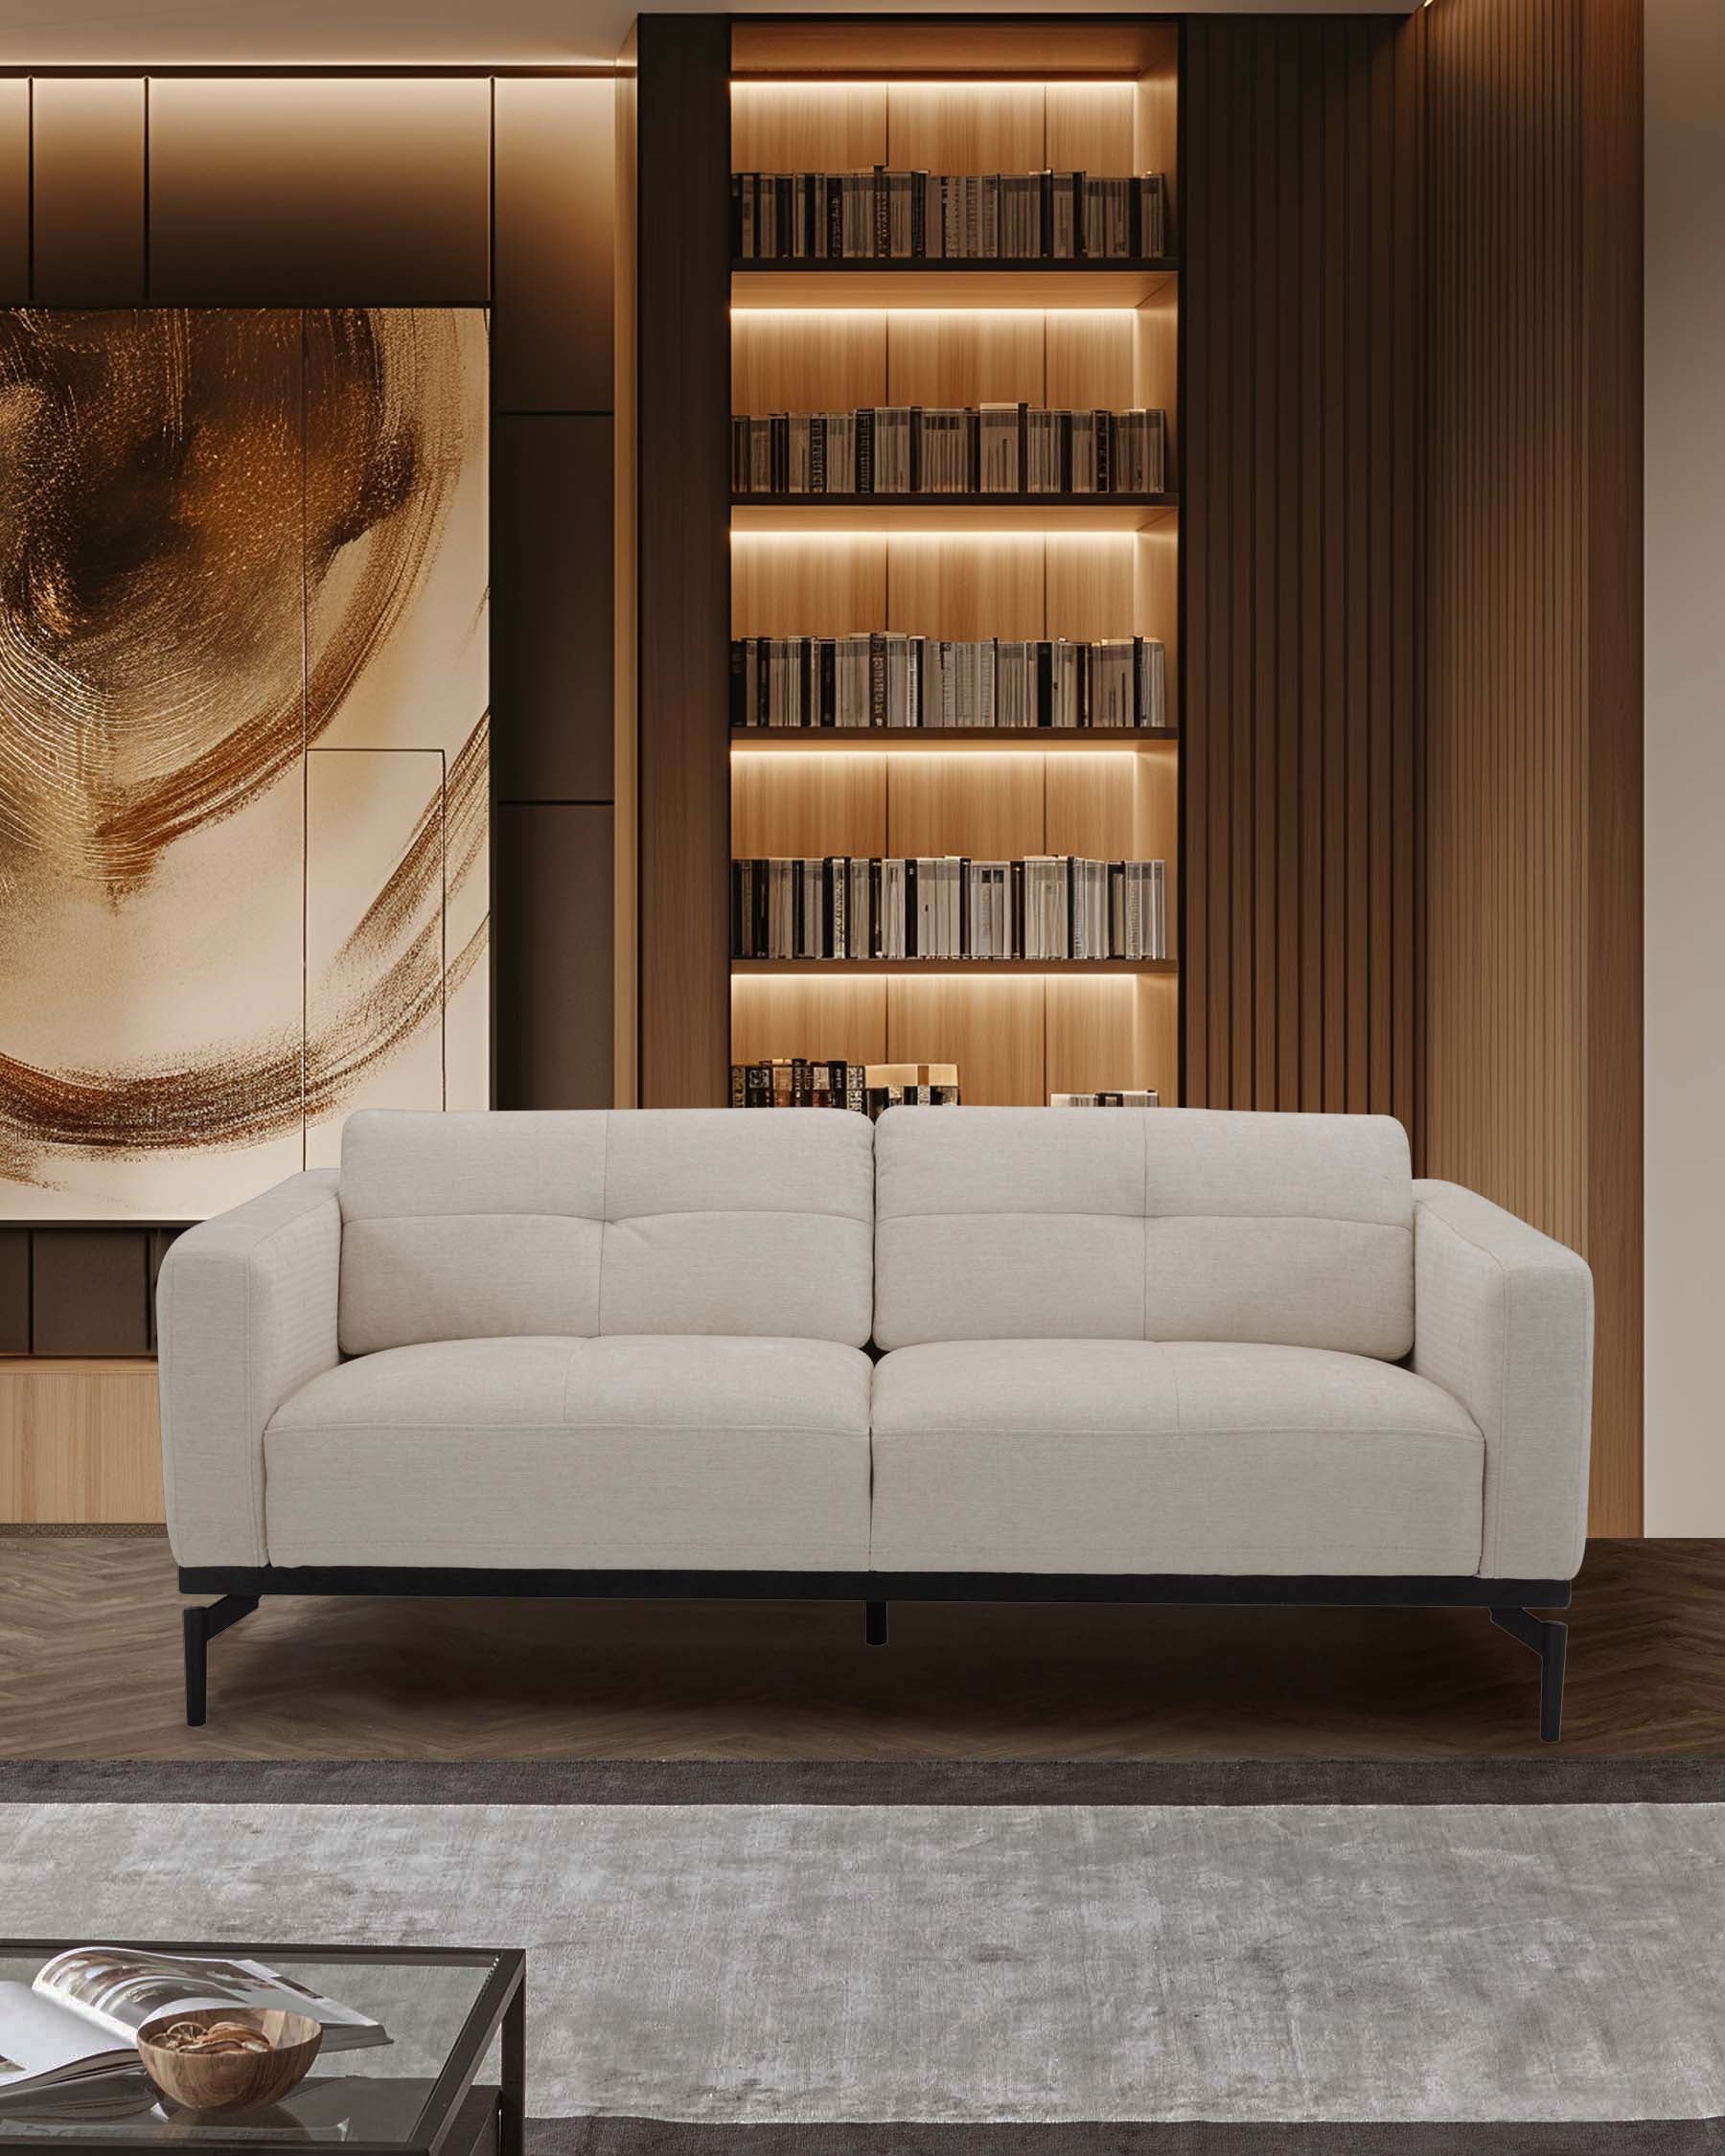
1159	1224
471	1226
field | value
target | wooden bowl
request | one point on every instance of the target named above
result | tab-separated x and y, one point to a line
232	2080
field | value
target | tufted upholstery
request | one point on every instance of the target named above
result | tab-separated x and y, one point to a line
1181	1224
473	1227
1107	1342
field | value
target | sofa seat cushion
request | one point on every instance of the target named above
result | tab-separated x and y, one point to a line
1118	1456
635	1449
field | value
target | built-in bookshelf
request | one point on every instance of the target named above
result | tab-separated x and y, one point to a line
945	96
958	99
910	967
1042	741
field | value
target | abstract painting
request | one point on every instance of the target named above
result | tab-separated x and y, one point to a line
243	792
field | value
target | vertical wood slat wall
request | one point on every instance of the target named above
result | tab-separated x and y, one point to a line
1533	913
1304	296
353	191
1612	252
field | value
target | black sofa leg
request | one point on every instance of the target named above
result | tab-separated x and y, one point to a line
875	1624
1549	1640
202	1625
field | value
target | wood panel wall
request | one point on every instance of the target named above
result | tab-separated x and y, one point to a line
1303	308
1533	916
1612	256
80	1444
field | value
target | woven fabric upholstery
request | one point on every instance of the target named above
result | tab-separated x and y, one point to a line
1113	1342
1505	1322
1063	1456
649	1450
1166	1224
245	1314
470	1227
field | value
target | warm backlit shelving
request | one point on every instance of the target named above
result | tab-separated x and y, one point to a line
1074	288
998	516
854	51
968	968
812	94
942	741
860	516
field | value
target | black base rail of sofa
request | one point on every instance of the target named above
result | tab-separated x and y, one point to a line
1506	1600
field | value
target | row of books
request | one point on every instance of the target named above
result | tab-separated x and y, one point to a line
872	1087
901	216
887	679
948	905
995	448
869	1087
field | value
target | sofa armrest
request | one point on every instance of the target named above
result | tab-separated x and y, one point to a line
245	1314
1503	1318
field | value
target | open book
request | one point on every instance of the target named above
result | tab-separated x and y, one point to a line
79	2020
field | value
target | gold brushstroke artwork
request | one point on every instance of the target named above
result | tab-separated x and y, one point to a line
243	789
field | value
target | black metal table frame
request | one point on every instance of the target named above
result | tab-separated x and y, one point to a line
1505	1600
501	2004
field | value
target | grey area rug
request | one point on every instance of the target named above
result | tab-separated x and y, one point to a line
1552	1780
646	2137
894	1959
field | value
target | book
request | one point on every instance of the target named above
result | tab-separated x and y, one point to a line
896	214
909	1085
980	449
1000	431
946	907
1044	906
1124	1099
888	678
78	2021
823	1082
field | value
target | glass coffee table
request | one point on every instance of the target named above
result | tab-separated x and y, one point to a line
418	2095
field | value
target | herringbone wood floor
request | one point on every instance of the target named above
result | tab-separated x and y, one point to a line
90	1668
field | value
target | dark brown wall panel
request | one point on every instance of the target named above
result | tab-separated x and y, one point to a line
161	1241
90	1291
1303	294
552	590
555	178
682	558
320	192
14	192
14	1291
553	980
89	193
1533	809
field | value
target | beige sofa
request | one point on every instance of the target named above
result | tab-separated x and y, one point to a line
973	1353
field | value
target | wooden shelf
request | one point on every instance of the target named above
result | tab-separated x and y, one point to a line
989	49
936	740
944	512
865	968
979	282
